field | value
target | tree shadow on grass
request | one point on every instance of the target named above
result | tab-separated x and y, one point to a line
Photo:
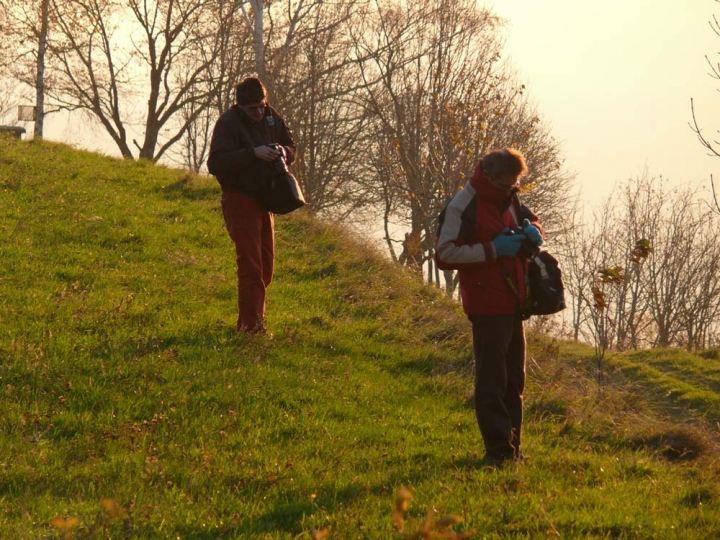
292	513
282	518
433	365
180	346
288	516
187	189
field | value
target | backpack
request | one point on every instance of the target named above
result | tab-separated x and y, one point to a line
547	292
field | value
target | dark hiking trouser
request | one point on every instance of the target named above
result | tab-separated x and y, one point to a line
499	348
251	228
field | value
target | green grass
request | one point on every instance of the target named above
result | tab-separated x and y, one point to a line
129	408
683	380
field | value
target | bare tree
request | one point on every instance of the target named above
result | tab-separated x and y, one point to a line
40	78
415	77
670	269
660	257
23	48
317	89
290	14
440	99
578	254
255	21
700	303
711	144
634	224
6	84
195	142
231	63
600	298
165	66
300	49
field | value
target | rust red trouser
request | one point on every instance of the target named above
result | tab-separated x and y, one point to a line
252	230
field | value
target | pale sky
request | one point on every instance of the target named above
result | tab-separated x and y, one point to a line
613	80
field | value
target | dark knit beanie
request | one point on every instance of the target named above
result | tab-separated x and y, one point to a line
250	90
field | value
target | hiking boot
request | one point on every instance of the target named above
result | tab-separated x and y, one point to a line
497	460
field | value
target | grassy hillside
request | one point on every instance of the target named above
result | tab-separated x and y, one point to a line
129	408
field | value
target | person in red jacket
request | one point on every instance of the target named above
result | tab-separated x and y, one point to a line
483	234
246	140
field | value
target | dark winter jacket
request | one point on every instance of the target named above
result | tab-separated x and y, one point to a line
232	157
471	220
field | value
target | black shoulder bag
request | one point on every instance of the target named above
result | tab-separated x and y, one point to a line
544	288
281	193
547	292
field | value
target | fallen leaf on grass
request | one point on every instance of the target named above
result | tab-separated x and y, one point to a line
114	510
64	523
322	534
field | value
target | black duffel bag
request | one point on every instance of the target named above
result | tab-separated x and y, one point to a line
281	193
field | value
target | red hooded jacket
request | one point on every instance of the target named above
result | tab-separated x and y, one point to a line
474	216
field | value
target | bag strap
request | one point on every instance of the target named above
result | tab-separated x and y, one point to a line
543	268
269	137
516	205
521	211
525	304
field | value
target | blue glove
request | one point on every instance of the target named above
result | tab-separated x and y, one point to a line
532	232
508	245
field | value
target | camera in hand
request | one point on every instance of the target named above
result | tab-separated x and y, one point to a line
278	164
527	249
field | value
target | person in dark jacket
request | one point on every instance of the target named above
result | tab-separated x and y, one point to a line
474	238
247	138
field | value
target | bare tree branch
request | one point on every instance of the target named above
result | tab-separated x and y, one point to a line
714	145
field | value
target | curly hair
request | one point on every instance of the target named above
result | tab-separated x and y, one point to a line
507	161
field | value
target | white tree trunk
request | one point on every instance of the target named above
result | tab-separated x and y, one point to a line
256	28
259	43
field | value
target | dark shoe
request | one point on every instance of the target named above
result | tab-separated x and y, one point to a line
259	330
497	460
